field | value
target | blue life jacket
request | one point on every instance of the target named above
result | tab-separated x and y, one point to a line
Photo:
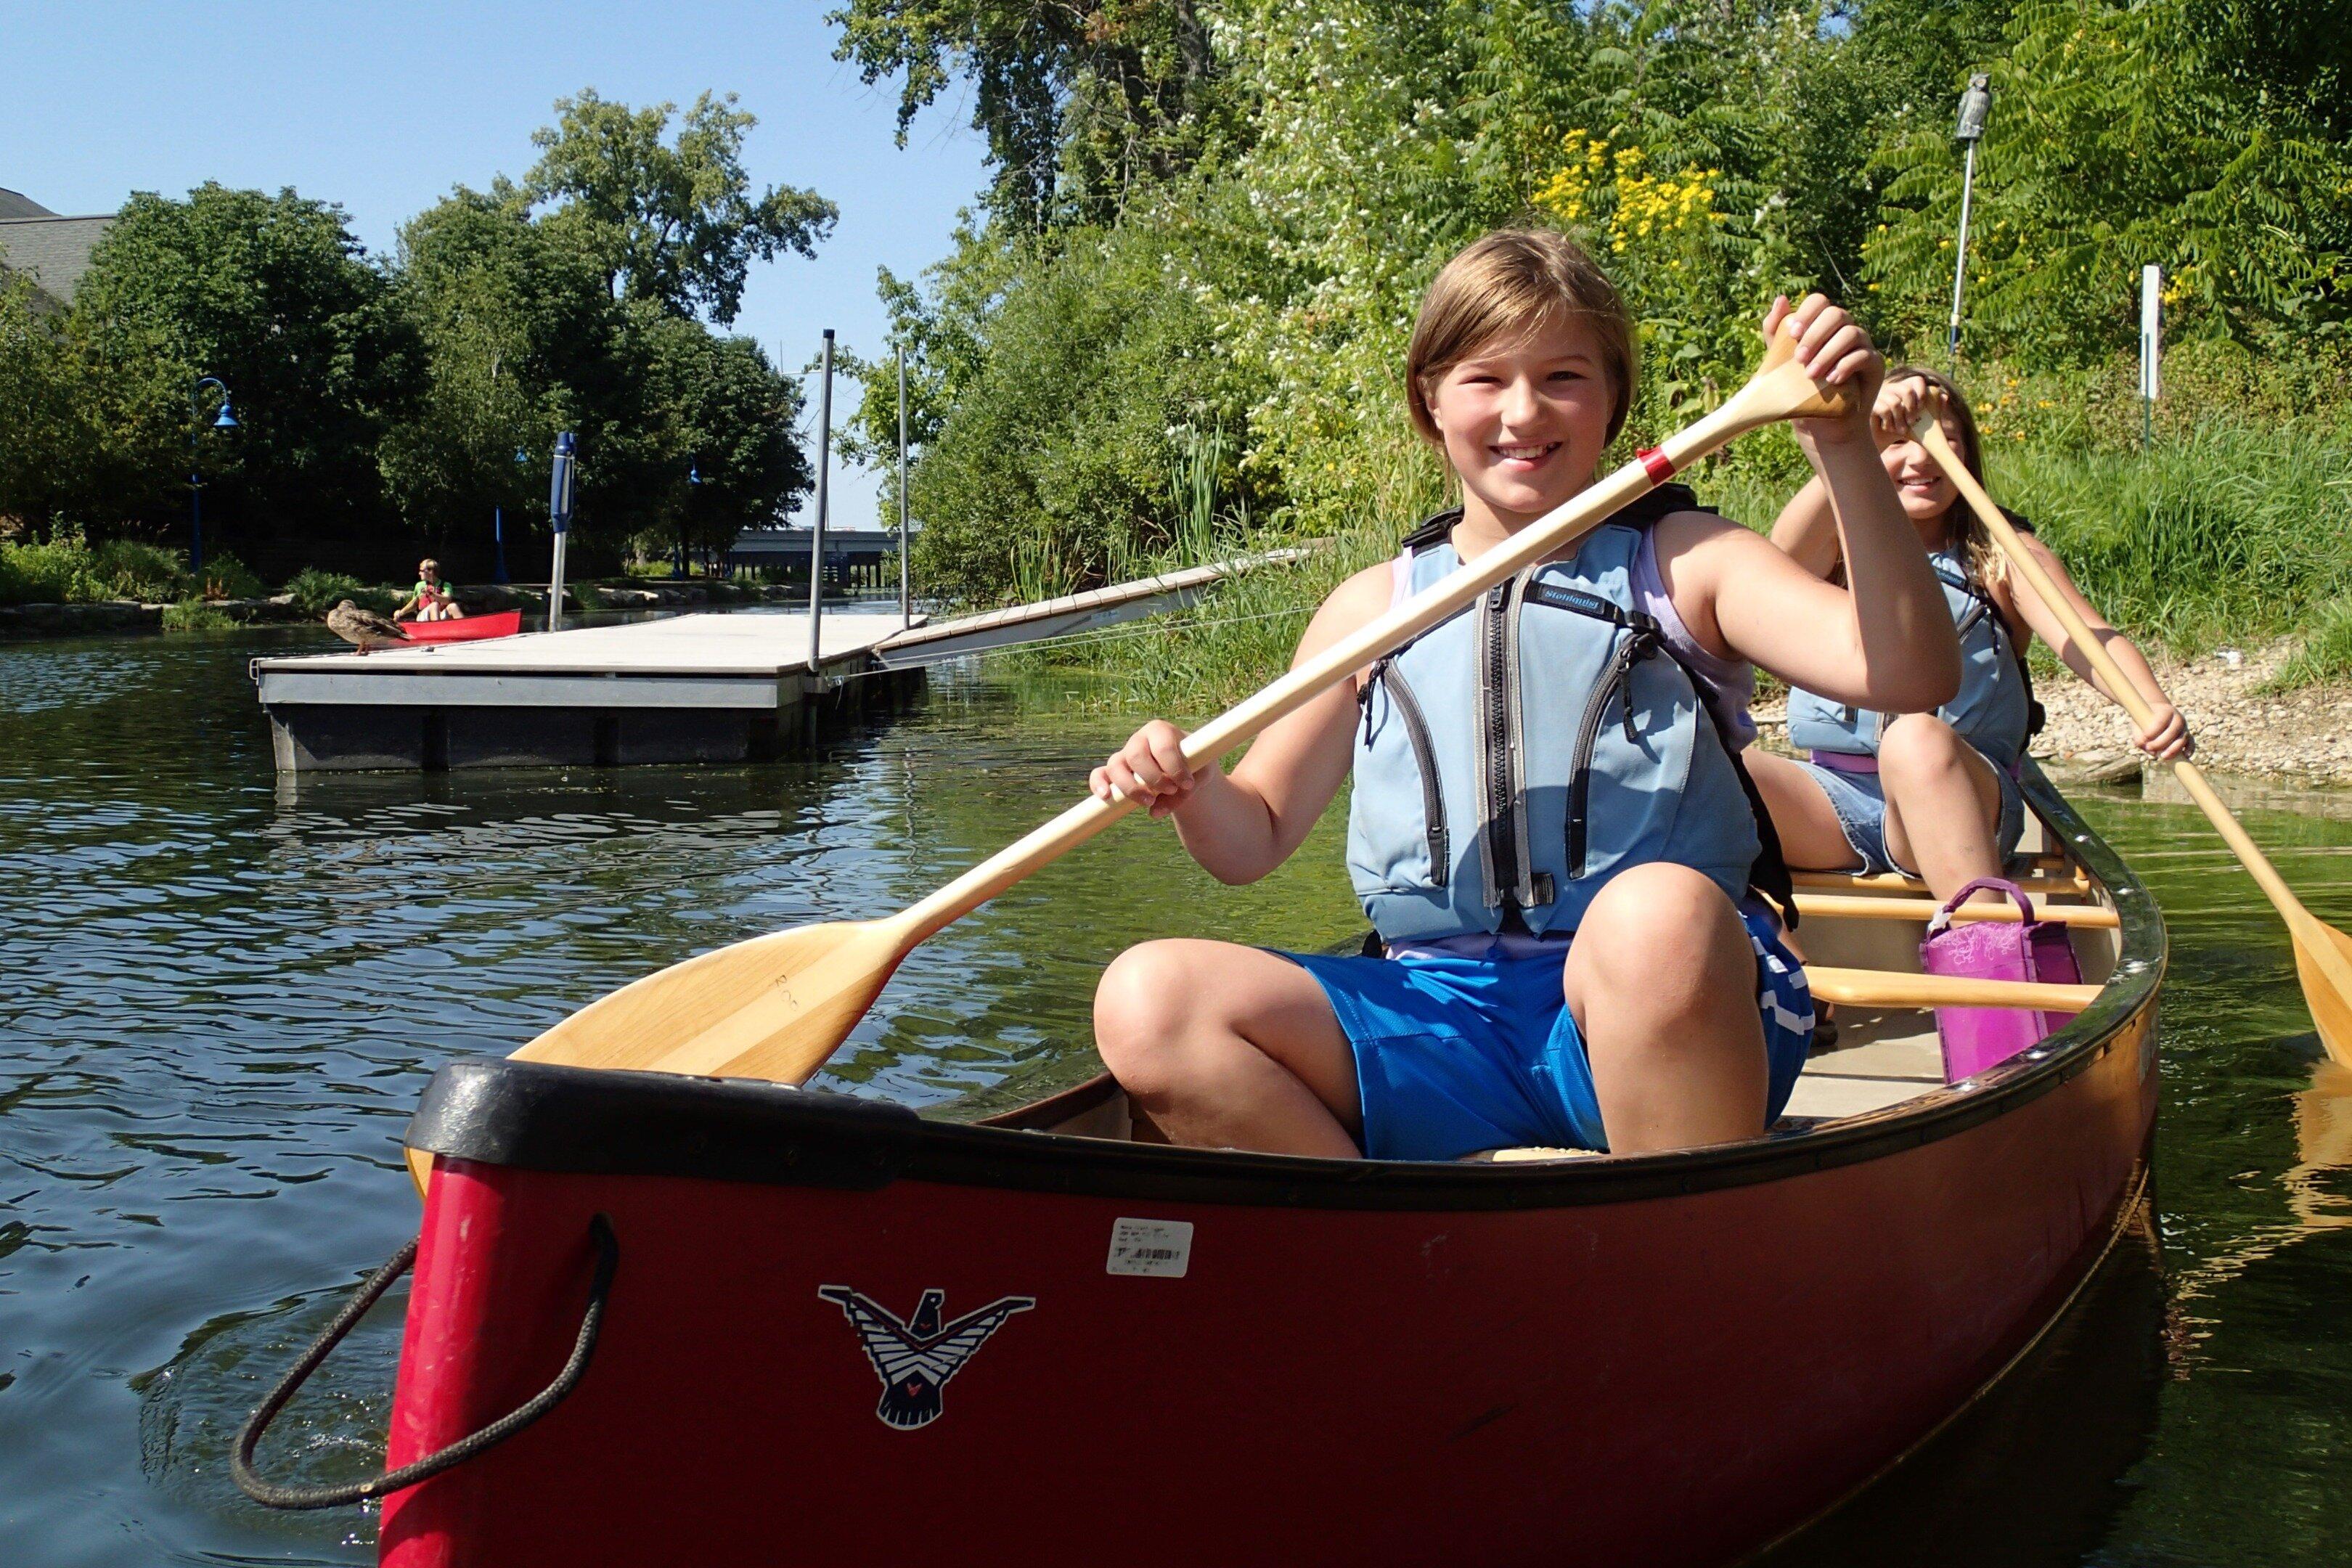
1515	757
1994	710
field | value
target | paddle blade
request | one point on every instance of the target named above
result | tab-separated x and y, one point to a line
772	1007
2323	991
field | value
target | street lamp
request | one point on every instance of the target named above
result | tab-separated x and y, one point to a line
1974	105
225	420
499	531
693	480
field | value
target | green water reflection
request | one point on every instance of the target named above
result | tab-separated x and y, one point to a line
223	993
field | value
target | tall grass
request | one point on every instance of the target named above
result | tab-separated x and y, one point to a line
2234	532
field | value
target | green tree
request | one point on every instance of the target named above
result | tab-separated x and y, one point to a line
726	415
523	339
1082	100
56	456
2119	137
672	221
275	296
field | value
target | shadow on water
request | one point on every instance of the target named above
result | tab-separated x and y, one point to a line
224	993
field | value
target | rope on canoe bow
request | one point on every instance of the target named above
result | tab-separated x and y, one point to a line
270	1494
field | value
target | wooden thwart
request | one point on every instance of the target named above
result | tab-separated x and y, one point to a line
2063	880
1887	989
1834	906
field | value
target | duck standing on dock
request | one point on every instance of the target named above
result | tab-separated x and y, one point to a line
363	628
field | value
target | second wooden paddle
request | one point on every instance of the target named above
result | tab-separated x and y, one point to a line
2322	955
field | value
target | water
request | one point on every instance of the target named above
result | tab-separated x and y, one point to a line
221	995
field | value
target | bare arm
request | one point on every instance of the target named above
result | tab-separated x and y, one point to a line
1241	826
2168	736
1886	639
1806	529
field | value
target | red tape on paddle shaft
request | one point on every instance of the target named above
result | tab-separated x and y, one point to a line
1656	464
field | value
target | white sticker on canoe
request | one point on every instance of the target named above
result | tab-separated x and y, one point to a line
1161	1246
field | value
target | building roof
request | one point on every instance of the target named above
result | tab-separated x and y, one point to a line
15	203
53	251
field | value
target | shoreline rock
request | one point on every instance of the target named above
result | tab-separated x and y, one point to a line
2303	736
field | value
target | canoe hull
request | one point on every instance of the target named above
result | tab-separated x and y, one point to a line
472	628
1668	1379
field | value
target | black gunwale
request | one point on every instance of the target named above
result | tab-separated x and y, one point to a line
539	1117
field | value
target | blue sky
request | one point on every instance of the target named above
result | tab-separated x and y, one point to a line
383	108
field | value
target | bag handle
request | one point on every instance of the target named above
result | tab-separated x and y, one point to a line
270	1494
1943	917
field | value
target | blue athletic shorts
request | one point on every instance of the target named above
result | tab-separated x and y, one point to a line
1860	802
1458	1054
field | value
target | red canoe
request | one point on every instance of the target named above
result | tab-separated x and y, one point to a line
1222	1358
501	624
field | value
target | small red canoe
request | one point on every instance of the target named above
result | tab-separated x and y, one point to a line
502	624
823	1329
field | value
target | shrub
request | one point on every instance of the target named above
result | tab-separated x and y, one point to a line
196	614
226	577
316	591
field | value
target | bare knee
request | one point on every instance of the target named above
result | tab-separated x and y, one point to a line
1918	746
1657	941
1147	1004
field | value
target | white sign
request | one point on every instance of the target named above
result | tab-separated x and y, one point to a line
1154	1246
2151	304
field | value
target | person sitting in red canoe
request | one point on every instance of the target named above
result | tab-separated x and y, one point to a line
1935	794
1550	829
431	599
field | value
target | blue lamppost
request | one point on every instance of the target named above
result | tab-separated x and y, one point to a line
225	420
498	532
693	481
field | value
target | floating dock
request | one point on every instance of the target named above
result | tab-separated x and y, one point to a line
692	688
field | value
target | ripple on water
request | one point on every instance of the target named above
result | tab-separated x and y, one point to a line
332	1434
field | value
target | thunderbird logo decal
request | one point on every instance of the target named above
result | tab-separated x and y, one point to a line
915	1359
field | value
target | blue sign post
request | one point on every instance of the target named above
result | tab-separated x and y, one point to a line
558	518
225	420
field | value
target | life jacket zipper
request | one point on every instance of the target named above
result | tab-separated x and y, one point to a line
1497	851
1616	681
1424	758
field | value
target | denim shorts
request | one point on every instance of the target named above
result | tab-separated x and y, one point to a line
1860	802
1455	1054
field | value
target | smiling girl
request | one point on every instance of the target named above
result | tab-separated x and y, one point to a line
1934	793
1552	829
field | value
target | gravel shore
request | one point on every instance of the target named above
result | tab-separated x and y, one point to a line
2304	735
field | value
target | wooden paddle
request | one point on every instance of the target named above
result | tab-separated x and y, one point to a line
776	1007
2322	955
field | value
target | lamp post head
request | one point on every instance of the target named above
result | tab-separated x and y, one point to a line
693	473
1974	105
225	420
521	456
